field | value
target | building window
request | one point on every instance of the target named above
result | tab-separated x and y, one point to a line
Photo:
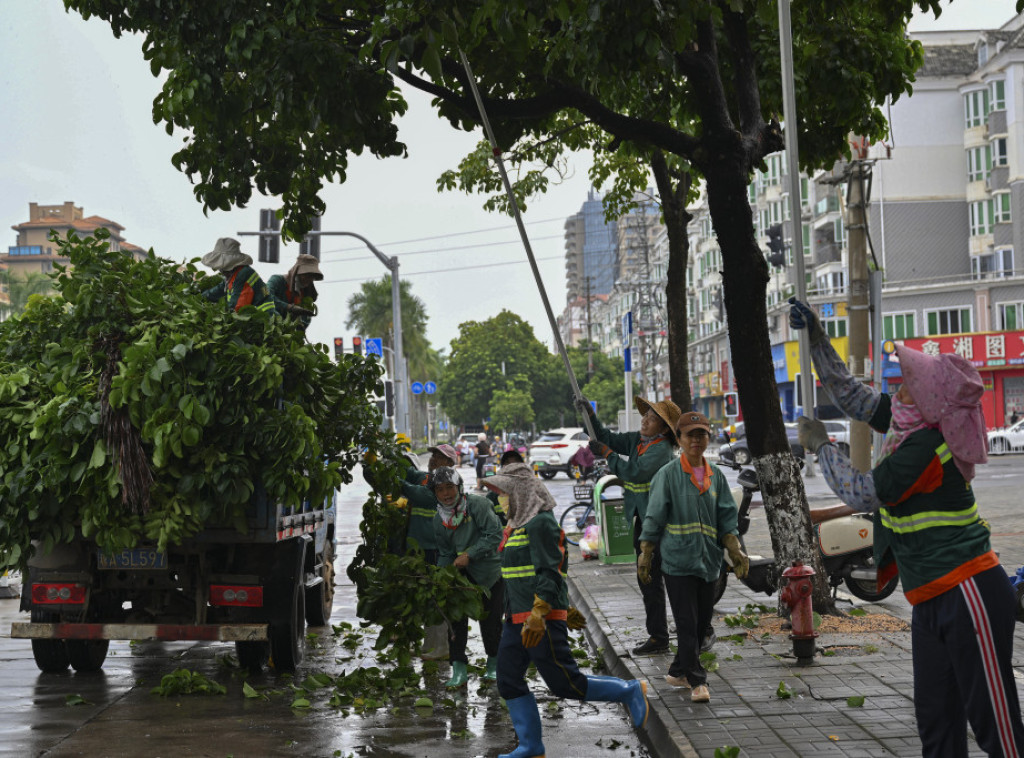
1001	208
979	163
898	326
839	232
975	107
806	229
1010	316
774	174
999	156
835	327
805	191
981	217
953	321
752	192
997	95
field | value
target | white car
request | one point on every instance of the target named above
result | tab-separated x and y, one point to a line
1009	439
552	450
839	433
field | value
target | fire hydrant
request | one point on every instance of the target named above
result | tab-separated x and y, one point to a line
797	595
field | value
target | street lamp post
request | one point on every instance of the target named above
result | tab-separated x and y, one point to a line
391	263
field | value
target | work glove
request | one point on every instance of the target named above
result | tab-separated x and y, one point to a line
802	317
644	562
575	620
298	310
534	626
812	434
585	407
740	562
599	449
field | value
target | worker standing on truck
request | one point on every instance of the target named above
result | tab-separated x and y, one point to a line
297	286
468	534
242	286
647	450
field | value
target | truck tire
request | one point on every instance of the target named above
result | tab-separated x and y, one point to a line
320	599
87	656
286	631
252	656
51	656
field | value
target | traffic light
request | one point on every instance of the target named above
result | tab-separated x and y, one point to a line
732	404
270	245
339	348
389	398
357	345
777	257
311	244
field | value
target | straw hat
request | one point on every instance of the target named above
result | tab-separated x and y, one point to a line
667	410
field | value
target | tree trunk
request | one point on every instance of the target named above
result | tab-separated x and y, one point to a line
745	278
673	207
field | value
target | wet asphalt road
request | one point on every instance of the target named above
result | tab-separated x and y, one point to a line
114	713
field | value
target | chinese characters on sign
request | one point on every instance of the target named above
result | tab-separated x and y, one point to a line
982	350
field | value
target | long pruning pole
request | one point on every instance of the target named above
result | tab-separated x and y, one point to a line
496	151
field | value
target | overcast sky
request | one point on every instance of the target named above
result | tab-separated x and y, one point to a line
77	126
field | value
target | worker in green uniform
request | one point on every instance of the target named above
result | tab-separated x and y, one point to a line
297	286
646	452
467	534
241	285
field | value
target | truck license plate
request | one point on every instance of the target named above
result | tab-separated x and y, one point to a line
136	558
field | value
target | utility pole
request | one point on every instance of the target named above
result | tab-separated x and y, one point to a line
590	345
858	301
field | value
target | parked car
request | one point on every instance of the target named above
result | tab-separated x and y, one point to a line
1007	440
737	454
551	451
839	433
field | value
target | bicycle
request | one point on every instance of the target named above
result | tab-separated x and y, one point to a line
578	516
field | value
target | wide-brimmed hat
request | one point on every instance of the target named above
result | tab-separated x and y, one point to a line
667	410
226	255
307	264
693	420
947	391
446	450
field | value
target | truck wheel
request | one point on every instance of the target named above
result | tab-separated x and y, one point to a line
320	599
286	630
547	474
51	655
87	655
252	656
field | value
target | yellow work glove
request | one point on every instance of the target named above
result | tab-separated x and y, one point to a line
740	562
534	626
575	620
644	561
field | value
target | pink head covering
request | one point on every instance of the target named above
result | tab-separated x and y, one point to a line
947	390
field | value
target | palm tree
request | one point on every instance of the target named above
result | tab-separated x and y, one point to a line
15	290
370	313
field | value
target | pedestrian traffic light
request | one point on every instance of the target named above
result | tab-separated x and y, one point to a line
389	398
339	347
357	345
270	244
777	257
311	244
732	404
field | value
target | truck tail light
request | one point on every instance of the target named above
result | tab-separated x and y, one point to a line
249	596
58	594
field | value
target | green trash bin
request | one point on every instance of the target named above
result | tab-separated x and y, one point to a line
616	531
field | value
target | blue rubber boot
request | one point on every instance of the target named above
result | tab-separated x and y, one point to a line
458	676
491	672
632	693
526	720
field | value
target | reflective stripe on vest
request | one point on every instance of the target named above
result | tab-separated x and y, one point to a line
518	539
694	527
267	306
636	488
424	512
927	519
517	572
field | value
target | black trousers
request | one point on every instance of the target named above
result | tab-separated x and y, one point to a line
490	626
653	593
963	672
552	657
692	600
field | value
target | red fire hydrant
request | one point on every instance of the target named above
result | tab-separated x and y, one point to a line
797	595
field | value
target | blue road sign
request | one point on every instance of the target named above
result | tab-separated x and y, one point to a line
627	358
430	388
417	388
374	346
